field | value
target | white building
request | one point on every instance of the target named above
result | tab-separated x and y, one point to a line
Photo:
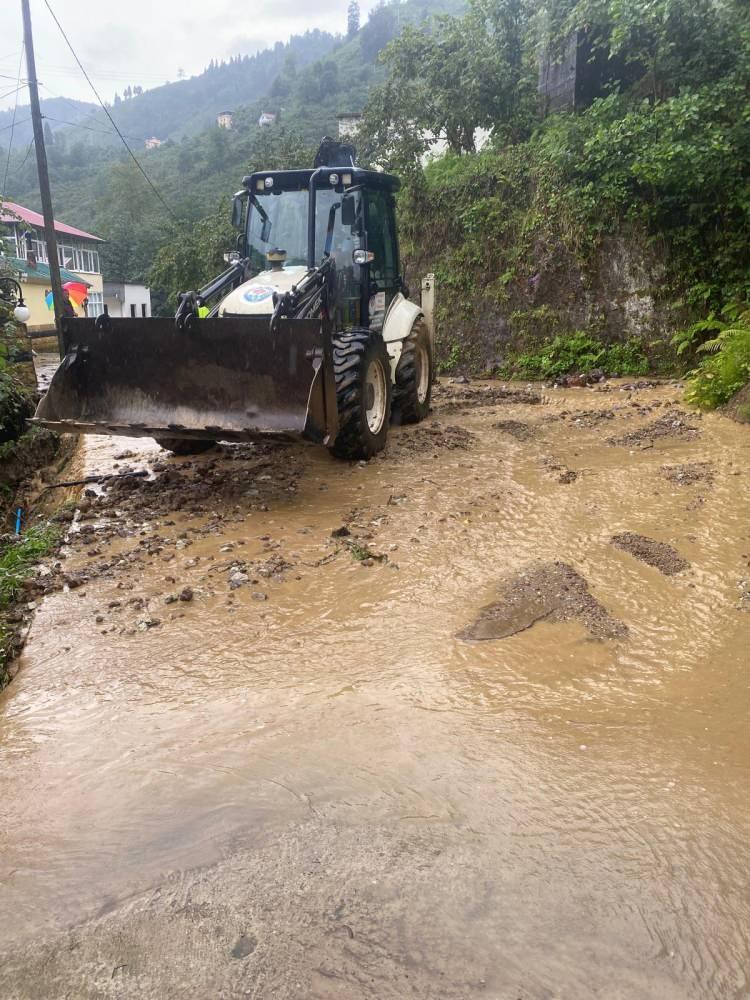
267	118
127	300
224	119
348	124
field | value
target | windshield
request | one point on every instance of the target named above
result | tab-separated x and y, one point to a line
287	214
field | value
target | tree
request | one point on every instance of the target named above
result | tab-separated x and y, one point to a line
380	28
352	19
450	78
193	254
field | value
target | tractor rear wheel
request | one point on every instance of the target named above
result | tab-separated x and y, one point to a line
362	371
185	446
413	388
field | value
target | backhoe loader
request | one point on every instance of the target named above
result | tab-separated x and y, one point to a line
308	333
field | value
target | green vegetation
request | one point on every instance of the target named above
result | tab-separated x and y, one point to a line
17	561
519	234
579	352
724	359
18	558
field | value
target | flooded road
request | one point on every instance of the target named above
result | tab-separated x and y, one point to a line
264	744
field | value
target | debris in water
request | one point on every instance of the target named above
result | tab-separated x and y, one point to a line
552	592
657	554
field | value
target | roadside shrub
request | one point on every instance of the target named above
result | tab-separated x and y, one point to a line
581	353
725	359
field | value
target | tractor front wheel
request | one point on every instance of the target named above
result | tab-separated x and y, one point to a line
413	389
185	446
362	371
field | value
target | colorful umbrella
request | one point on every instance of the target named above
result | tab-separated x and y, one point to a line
50	300
77	291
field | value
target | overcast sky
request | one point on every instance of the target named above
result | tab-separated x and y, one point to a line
146	42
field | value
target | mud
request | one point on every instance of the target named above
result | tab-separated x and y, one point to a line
673	424
689	474
246	754
428	439
516	429
657	554
553	593
452	398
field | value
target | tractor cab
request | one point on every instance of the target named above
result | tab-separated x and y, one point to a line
293	221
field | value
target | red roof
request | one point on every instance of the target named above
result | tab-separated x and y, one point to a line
11	212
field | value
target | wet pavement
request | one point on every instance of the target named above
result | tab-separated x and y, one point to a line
306	780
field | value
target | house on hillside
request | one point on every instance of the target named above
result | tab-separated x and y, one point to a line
267	118
225	119
25	251
152	143
127	299
348	123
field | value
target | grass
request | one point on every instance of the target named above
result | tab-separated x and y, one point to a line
17	561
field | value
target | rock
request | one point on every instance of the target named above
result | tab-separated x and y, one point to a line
186	594
342	532
258	596
237	579
146	623
460	380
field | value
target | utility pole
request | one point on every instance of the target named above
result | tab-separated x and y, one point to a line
50	237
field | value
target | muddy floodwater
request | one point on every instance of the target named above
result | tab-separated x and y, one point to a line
470	720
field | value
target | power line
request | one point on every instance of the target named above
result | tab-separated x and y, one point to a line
90	128
106	112
13	124
19	168
13	121
13	90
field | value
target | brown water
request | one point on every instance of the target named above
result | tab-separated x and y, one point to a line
328	794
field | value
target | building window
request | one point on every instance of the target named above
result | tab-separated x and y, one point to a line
132	310
96	304
143	309
65	255
77	258
39	249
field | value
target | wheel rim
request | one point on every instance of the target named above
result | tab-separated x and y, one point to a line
376	397
423	373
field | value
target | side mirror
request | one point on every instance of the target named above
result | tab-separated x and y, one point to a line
238	208
265	231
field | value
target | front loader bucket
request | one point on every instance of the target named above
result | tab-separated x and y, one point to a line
222	379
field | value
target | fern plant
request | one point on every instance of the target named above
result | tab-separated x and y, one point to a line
724	367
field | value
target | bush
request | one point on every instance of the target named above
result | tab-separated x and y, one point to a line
579	352
725	365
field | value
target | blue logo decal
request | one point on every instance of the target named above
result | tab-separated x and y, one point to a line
258	292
